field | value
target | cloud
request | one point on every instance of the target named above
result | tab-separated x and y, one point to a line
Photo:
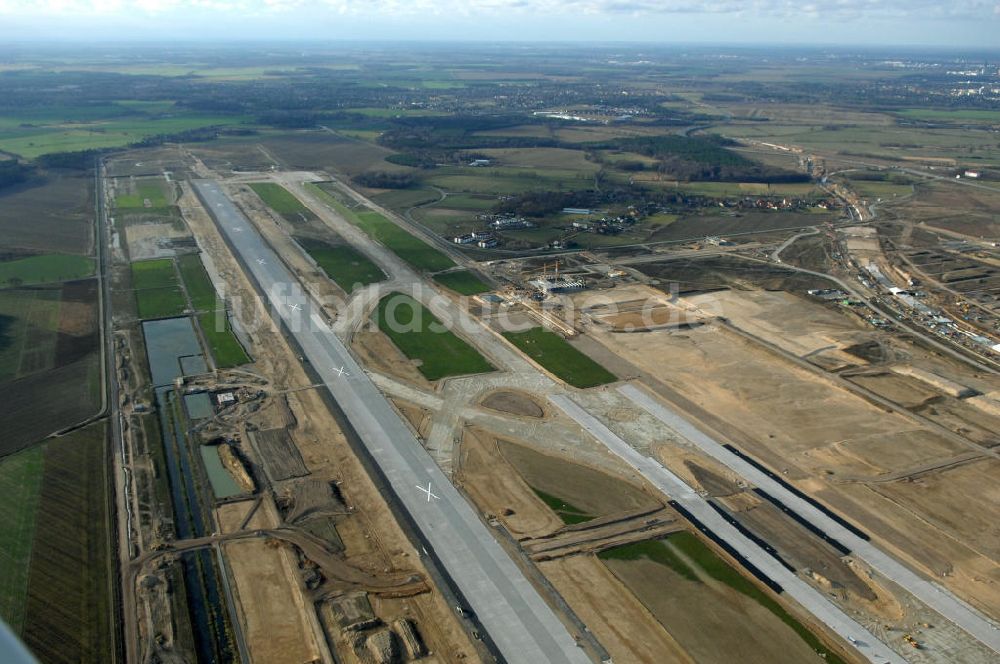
835	9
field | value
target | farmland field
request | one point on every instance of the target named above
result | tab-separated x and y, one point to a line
56	136
42	403
283	202
403	199
462	282
698	226
966	115
348	267
67	615
29	322
557	356
59	210
45	268
422	337
20	484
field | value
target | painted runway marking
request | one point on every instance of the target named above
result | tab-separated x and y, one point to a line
430	494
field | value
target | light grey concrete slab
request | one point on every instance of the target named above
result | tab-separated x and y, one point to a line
520	623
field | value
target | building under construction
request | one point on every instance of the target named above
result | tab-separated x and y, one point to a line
557	284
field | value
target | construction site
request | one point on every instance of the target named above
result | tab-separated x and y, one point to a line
734	472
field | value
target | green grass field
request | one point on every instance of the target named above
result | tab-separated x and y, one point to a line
57	135
197	282
669	552
404	199
964	115
157	291
875	189
468	202
462	282
46	268
69	608
570	514
160	302
654	550
557	356
157	273
283	202
422	337
20	485
145	190
348	267
29	321
414	251
225	347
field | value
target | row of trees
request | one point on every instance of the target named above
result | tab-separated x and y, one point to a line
13	172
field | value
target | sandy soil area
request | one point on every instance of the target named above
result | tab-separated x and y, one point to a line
621	623
372	536
793	323
497	489
513	403
711	621
270	602
821	435
376	350
594	492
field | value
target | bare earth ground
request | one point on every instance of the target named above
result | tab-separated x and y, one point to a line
798	422
594	492
621	623
498	489
788	321
711	621
372	538
513	403
377	351
144	240
269	595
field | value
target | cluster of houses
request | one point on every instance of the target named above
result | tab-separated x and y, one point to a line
505	222
605	225
761	203
496	222
482	239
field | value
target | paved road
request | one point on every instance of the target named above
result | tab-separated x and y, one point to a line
811	599
519	622
933	595
127	626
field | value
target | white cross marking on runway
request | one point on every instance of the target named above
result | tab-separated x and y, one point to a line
261	261
341	371
429	493
295	307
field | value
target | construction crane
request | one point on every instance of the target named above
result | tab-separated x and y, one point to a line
545	270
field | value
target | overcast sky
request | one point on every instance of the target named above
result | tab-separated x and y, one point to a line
955	23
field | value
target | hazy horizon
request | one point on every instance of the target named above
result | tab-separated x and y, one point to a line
970	24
